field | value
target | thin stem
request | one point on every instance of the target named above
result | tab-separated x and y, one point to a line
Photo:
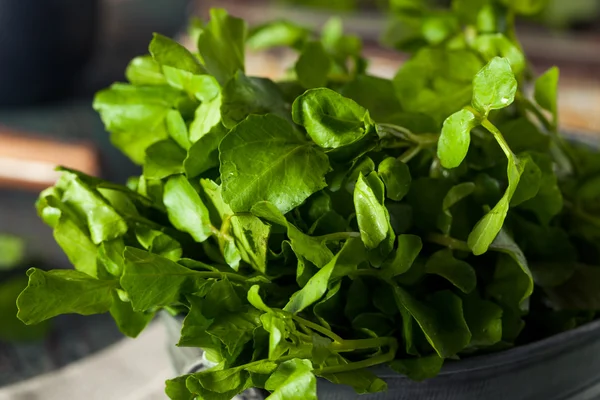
448	242
409	154
318	328
358	344
369	362
423	139
216	275
549	126
499	138
337	236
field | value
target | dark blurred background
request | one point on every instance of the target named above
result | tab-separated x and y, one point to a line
55	54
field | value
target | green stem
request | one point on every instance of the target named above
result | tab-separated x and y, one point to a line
409	154
447	241
369	362
422	139
499	138
549	126
337	236
358	344
216	275
318	328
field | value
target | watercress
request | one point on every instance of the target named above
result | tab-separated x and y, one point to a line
334	221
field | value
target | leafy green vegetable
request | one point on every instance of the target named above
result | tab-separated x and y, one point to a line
330	119
285	175
494	87
312	68
307	234
455	138
370	214
63	292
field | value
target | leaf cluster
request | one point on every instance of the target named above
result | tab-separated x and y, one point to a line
333	221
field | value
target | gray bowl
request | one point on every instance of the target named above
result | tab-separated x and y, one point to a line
562	367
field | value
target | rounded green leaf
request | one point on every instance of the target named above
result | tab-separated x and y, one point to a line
546	88
264	159
312	68
396	177
370	214
331	119
494	87
455	138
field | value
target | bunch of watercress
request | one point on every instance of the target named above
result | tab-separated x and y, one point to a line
333	221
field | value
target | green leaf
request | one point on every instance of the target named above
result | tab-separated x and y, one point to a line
313	65
529	183
206	118
178	129
250	234
218	384
458	272
546	91
293	380
57	292
494	87
441	319
396	176
489	226
522	135
144	70
362	381
77	245
221	45
330	119
158	242
135	115
194	330
234	329
278	166
454	195
364	166
177	390
375	94
408	248
311	248
186	210
130	322
455	138
512	272
203	154
163	159
276	34
154	281
418	369
103	221
278	332
166	51
244	95
549	200
494	45
484	319
316	287
437	82
371	215
526	7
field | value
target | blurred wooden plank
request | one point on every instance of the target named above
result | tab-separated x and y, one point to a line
28	161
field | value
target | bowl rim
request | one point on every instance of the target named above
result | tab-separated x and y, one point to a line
529	353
